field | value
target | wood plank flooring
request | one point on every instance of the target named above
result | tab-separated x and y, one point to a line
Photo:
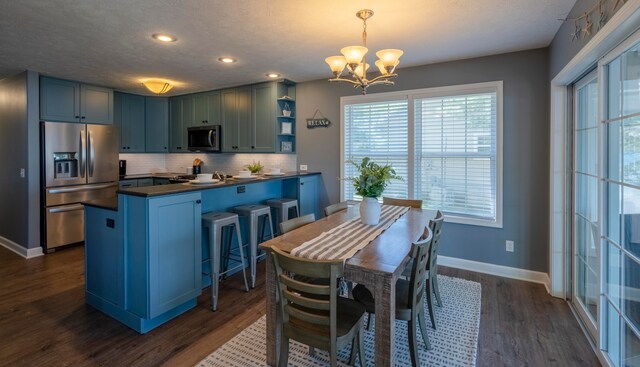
45	322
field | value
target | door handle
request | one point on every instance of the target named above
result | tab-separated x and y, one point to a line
80	188
82	153
209	138
92	160
71	208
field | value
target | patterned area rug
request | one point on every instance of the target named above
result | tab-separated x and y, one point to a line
455	342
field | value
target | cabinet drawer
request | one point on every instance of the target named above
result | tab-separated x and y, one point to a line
145	182
128	183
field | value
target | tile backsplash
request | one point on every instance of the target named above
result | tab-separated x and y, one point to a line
228	163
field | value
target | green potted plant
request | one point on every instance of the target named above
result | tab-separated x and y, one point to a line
254	167
370	183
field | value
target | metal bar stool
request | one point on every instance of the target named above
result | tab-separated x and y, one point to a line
282	207
253	213
215	223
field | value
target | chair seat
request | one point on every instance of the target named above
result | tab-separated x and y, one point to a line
350	314
403	309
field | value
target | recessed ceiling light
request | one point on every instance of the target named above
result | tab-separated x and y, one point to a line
227	60
164	37
273	75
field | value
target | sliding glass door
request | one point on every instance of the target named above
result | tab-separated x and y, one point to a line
620	297
585	242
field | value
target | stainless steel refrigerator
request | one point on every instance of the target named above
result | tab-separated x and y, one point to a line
79	163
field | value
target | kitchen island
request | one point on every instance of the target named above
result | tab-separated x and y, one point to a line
144	251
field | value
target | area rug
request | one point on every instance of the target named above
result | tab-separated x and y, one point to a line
454	343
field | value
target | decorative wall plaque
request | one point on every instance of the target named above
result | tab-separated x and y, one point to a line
318	120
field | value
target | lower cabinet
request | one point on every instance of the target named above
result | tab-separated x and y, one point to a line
143	261
308	195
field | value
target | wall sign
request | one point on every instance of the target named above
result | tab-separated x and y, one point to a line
318	120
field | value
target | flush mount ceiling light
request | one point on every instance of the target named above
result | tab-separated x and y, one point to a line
164	37
273	75
227	60
355	60
157	86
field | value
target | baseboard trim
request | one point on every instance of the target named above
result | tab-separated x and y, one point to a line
27	253
499	270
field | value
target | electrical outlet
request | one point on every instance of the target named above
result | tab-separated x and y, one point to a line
303	167
509	246
22	173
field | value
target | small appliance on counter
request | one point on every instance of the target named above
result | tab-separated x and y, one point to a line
122	168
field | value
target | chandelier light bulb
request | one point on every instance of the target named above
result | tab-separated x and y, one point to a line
389	57
336	64
354	54
359	72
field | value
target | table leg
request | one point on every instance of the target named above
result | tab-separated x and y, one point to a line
273	316
385	295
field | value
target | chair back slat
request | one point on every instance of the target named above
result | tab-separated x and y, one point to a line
402	202
296	298
310	317
291	224
420	255
304	287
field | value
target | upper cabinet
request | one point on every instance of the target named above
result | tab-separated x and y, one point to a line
236	120
68	101
206	109
263	121
156	119
130	121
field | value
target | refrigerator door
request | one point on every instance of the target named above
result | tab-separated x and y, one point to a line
78	194
65	225
64	154
102	154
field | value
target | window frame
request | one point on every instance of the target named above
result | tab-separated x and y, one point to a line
411	96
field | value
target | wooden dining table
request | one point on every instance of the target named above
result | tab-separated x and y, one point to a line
377	266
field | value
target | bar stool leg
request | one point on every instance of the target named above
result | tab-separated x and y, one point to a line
244	272
253	247
215	236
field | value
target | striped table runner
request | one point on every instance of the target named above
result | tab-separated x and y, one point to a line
344	241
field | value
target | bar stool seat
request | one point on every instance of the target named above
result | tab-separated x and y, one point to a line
215	222
282	207
252	213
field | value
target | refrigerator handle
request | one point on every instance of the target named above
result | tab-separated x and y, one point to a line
82	153
92	156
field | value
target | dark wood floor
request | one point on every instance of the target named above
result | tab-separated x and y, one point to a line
45	322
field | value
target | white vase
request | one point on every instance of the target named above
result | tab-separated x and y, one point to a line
370	211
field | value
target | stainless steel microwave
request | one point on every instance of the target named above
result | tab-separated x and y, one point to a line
205	138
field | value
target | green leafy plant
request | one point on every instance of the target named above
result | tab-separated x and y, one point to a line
254	167
373	178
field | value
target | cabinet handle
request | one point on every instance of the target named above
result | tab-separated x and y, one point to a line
83	117
165	148
252	147
179	147
198	201
301	183
77	117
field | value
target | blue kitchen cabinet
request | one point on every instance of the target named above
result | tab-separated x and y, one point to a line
263	115
143	260
156	125
69	101
308	195
180	118
236	120
130	121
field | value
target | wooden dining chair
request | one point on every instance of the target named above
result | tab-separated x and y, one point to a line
333	208
291	224
313	313
409	295
402	202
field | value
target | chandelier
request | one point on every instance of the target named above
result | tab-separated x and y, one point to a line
355	60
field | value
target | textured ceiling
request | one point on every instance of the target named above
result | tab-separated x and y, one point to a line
108	42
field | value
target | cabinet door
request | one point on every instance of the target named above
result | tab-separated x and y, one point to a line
200	110
129	119
243	113
263	101
59	100
156	125
174	245
175	126
308	195
213	102
96	105
187	121
229	121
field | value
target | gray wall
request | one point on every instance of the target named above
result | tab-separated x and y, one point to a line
526	150
562	48
19	149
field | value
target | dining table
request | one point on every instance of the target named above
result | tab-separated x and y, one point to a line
377	266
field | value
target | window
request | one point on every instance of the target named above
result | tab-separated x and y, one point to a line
378	130
446	143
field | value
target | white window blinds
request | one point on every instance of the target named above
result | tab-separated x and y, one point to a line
378	130
456	154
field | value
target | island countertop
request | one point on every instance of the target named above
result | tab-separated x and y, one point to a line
148	191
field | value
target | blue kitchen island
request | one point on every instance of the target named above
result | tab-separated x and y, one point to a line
144	250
